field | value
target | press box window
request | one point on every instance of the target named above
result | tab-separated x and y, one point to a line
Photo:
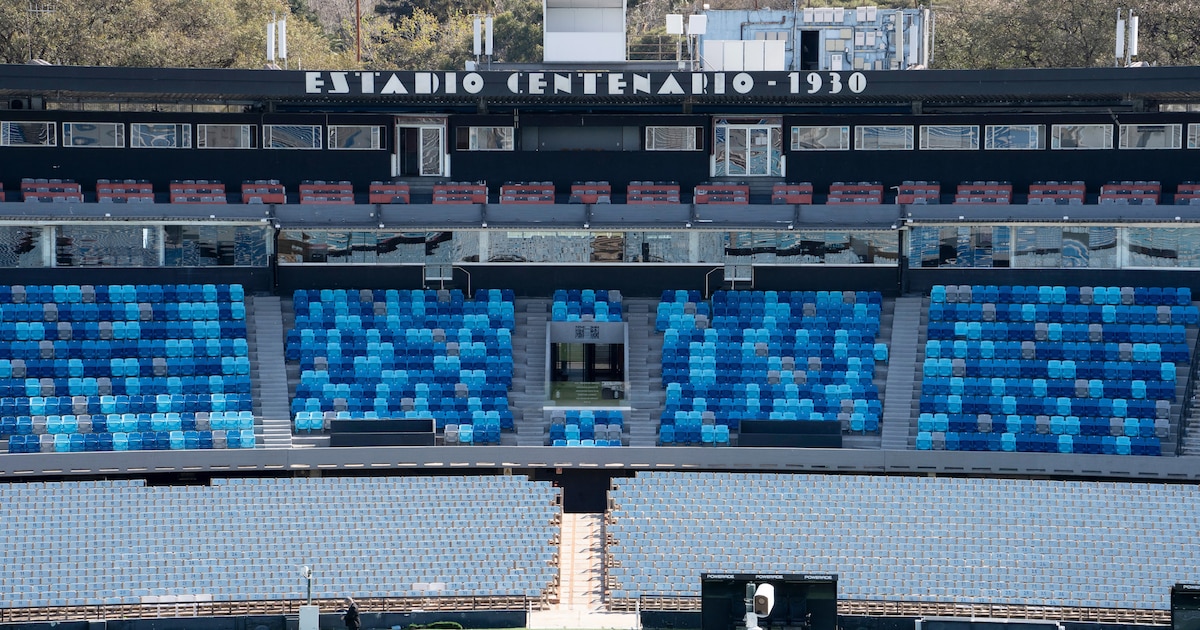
821	138
93	135
355	137
225	136
1151	136
1081	137
484	139
883	138
291	136
949	137
674	138
1014	137
160	136
27	134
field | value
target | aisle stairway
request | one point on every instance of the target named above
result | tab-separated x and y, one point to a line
581	579
646	395
528	394
268	372
898	425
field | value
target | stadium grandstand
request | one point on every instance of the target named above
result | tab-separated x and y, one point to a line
540	348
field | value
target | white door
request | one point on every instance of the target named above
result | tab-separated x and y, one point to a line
746	150
421	150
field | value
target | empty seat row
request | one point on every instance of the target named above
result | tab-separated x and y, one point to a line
704	435
128	422
1064	313
1032	338
118	293
1045	424
1037	443
1057	294
135	441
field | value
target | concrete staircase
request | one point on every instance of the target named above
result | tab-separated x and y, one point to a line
528	396
268	372
900	390
581	579
1185	434
646	396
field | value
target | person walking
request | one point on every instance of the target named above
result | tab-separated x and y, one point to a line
351	614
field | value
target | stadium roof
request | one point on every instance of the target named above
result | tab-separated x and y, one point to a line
930	88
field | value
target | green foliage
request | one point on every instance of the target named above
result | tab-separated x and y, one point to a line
417	42
397	10
1060	33
170	33
518	31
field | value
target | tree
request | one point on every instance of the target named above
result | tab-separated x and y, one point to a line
1060	33
168	33
518	31
395	10
417	42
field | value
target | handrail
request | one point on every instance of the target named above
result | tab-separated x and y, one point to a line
1185	410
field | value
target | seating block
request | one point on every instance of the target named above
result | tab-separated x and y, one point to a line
387	193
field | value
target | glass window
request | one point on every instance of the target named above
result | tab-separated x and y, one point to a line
93	135
663	247
801	248
980	246
225	136
821	138
1081	137
1189	247
608	247
215	246
664	138
1102	247
710	246
1001	246
1039	247
1156	246
291	136
883	138
1014	137
107	246
1151	136
21	246
1193	135
355	137
484	139
758	247
160	136
539	246
1089	247
949	137
27	134
406	247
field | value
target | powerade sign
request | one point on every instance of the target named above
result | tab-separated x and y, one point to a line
648	85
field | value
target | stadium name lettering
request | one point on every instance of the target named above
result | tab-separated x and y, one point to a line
581	83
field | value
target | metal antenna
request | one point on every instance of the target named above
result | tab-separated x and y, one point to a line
38	8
